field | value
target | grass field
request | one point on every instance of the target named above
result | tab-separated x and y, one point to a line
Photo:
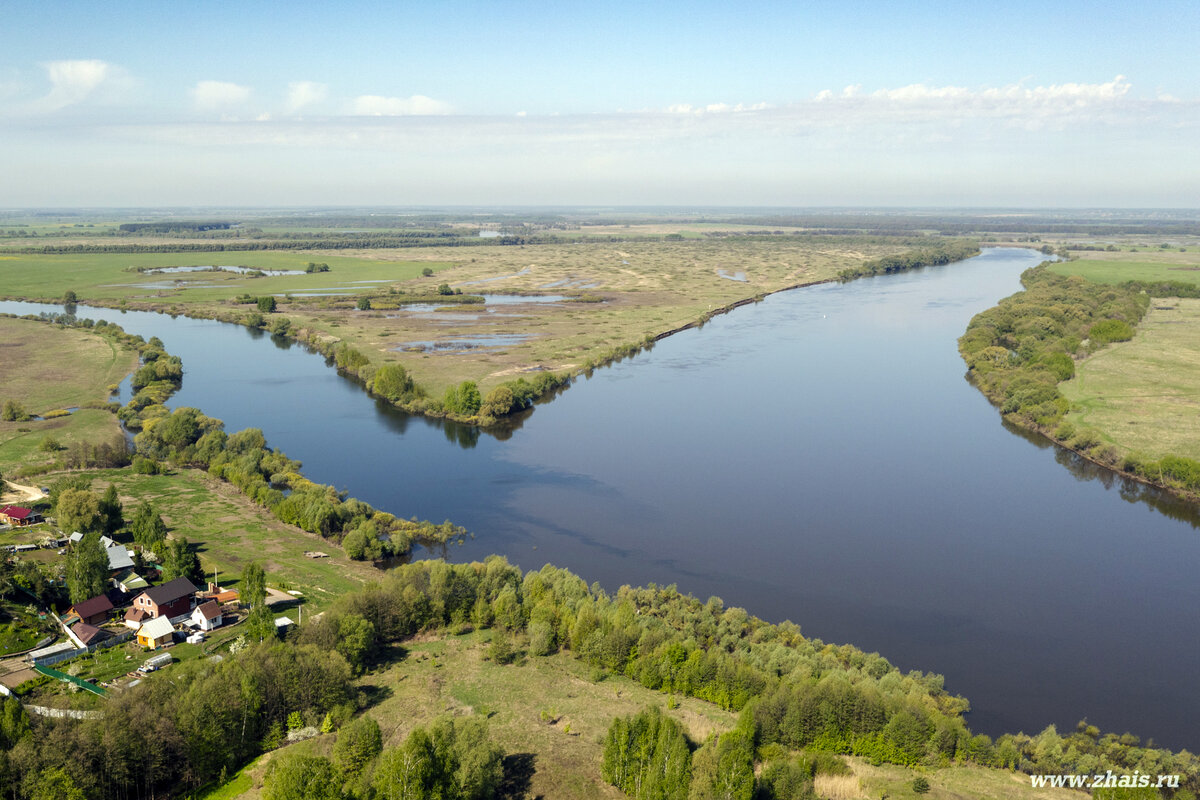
647	288
229	530
1146	265
1143	395
48	368
106	276
550	717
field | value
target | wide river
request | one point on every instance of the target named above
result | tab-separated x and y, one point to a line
817	457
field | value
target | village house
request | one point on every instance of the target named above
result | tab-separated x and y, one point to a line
93	610
18	516
134	617
156	632
130	582
88	634
208	616
173	599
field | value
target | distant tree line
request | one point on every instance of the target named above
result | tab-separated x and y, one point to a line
171	227
926	255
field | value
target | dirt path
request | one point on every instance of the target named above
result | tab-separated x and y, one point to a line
16	493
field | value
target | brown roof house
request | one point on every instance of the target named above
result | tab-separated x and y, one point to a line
88	635
208	616
134	617
92	610
173	600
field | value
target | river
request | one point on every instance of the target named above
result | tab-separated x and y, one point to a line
817	457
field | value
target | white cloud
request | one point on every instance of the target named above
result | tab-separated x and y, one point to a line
714	108
216	95
302	94
373	105
72	81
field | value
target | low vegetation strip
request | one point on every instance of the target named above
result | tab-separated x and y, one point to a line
925	254
1019	351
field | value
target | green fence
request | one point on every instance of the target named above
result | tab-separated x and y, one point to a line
62	676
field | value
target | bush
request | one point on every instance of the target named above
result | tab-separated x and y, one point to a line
1110	330
920	785
266	304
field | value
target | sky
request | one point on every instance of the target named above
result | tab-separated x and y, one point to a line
947	104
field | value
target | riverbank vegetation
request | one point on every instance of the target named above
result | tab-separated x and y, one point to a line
1019	352
924	254
480	639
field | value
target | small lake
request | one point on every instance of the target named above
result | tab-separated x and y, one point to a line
816	456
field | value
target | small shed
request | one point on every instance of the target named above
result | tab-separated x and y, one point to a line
130	582
156	633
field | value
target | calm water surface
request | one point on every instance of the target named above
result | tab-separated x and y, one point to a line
817	456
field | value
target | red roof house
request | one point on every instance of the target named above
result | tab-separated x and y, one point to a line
18	516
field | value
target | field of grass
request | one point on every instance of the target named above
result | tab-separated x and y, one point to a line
1148	264
550	717
949	783
48	368
1143	396
561	747
229	531
646	288
106	277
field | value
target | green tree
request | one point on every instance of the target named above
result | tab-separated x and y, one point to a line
87	569
356	640
180	561
392	381
363	304
260	625
300	777
111	513
724	768
55	784
266	304
148	528
78	510
444	289
252	588
13	412
427	272
463	400
647	756
70	297
357	743
410	771
499	401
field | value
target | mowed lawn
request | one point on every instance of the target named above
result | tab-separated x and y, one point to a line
1143	396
